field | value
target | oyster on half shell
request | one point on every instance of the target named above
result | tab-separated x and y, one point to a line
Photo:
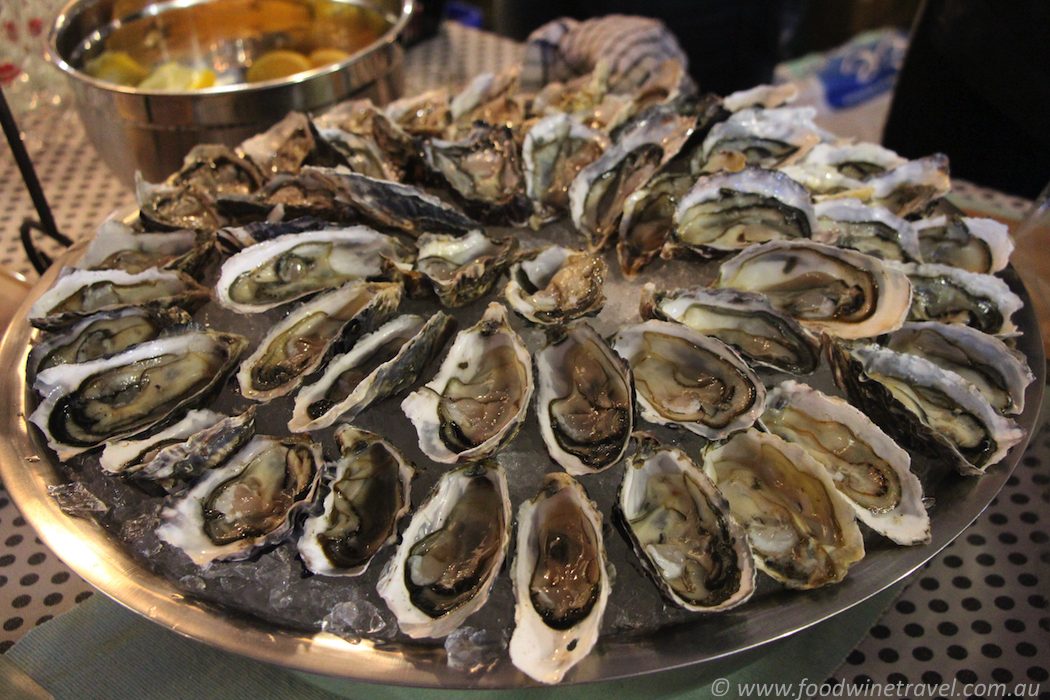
463	269
555	284
556	148
953	295
976	245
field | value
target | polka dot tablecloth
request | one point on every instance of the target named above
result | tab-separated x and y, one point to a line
977	613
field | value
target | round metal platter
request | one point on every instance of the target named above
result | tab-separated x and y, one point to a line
28	468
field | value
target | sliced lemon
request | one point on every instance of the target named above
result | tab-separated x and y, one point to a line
175	77
116	67
277	64
322	57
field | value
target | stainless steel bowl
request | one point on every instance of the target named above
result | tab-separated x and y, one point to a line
150	132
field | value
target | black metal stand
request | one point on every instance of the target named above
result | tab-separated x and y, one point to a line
46	224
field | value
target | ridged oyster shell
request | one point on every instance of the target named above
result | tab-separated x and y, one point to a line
119	456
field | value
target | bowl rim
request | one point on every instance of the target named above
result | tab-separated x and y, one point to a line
53	56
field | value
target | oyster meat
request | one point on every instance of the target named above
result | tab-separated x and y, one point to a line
127	456
859	161
849	223
555	149
909	188
368	492
682	531
976	245
953	295
91	402
478	399
560	580
298	344
686	378
840	292
450	553
584	400
765	137
217	169
867	467
802	531
463	269
648	218
116	246
379	365
555	284
245	505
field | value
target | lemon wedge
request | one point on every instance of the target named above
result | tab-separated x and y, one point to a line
116	67
277	64
322	57
175	77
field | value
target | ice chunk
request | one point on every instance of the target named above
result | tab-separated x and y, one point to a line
473	650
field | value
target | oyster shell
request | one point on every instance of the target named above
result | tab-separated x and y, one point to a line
245	505
682	531
289	197
116	246
743	320
765	137
765	478
927	409
77	294
555	149
584	400
953	295
379	365
217	169
648	218
490	98
764	96
91	402
478	399
294	265
866	465
686	378
450	553
975	245
997	370
849	223
859	161
560	580
298	344
463	269
840	292
166	208
127	456
425	114
369	491
909	188
284	147
555	284
359	153
731	211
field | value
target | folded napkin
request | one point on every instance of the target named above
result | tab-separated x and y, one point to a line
100	650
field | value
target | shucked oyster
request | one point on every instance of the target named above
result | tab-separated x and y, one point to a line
246	504
584	400
648	218
556	148
217	169
463	269
91	402
841	292
765	137
953	295
284	147
166	208
975	245
294	265
866	465
298	345
426	114
909	188
379	365
488	97
859	161
744	320
766	480
686	378
849	223
450	553
478	399
116	246
120	456
560	580
682	531
369	490
555	285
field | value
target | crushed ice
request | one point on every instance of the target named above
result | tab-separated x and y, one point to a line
473	650
354	619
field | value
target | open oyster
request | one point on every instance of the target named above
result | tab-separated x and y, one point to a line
120	456
859	161
217	169
425	114
682	531
976	245
584	400
556	148
997	370
762	96
765	479
489	97
369	490
379	365
294	265
298	344
849	223
284	147
450	553
560	580
648	218
478	399
91	402
926	408
80	293
909	188
166	208
463	269
953	295
743	320
556	284
245	505
841	292
686	378
117	246
866	465
730	211
765	137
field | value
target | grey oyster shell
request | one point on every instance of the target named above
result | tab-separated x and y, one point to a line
284	147
975	245
554	285
368	492
953	295
463	269
166	208
217	169
910	187
555	149
380	364
648	218
744	320
850	223
858	161
301	342
245	505
120	456
765	137
680	527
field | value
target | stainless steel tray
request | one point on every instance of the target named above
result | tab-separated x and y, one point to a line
27	470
